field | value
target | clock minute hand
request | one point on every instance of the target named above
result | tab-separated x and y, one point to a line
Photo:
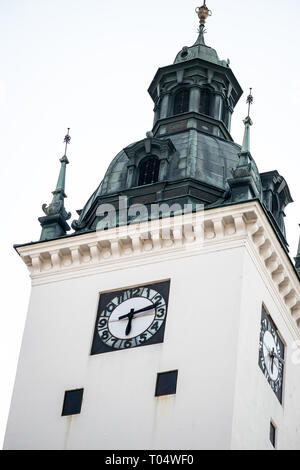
146	309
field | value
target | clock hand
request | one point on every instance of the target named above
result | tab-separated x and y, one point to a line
129	324
272	357
146	314
146	309
273	354
282	361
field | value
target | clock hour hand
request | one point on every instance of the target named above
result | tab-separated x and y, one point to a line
274	355
129	324
146	309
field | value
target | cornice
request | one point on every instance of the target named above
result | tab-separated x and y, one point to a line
227	71
240	225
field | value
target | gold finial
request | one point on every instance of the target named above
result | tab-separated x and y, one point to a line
203	13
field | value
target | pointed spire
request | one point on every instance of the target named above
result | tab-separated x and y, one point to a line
245	184
200	41
54	224
246	140
60	187
297	260
248	123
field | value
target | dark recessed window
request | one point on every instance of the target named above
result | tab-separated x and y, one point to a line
273	434
225	113
166	383
148	171
205	101
181	101
72	402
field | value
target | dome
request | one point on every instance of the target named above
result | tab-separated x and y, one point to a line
200	51
194	156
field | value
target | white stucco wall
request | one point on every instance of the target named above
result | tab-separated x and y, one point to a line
255	403
212	332
119	408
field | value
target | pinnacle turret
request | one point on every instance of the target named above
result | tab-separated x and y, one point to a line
54	223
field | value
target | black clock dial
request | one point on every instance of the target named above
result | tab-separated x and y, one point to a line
271	354
130	318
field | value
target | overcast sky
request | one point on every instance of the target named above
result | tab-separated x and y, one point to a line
87	65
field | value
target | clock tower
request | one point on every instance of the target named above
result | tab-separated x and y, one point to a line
169	317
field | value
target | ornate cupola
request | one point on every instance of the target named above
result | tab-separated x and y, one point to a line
188	158
199	91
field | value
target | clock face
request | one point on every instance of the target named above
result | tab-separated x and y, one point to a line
130	318
271	354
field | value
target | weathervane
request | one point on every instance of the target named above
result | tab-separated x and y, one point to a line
203	13
67	140
249	101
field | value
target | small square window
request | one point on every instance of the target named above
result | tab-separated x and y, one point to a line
273	434
166	383
72	402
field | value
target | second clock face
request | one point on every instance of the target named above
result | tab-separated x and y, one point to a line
131	318
271	354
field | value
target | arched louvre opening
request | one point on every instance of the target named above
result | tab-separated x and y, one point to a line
181	101
148	170
205	101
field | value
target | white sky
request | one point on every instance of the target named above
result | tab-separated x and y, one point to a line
87	64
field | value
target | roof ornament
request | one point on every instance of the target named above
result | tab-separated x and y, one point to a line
248	123
249	101
203	13
67	140
297	260
246	183
54	223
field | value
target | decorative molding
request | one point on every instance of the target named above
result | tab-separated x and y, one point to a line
171	237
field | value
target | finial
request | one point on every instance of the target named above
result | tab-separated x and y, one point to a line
67	140
203	13
249	101
297	260
54	223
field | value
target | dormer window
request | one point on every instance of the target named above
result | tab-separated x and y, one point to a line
181	101
205	101
148	170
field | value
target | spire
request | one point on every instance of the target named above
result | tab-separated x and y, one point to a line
54	224
203	13
297	259
245	182
59	192
248	123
